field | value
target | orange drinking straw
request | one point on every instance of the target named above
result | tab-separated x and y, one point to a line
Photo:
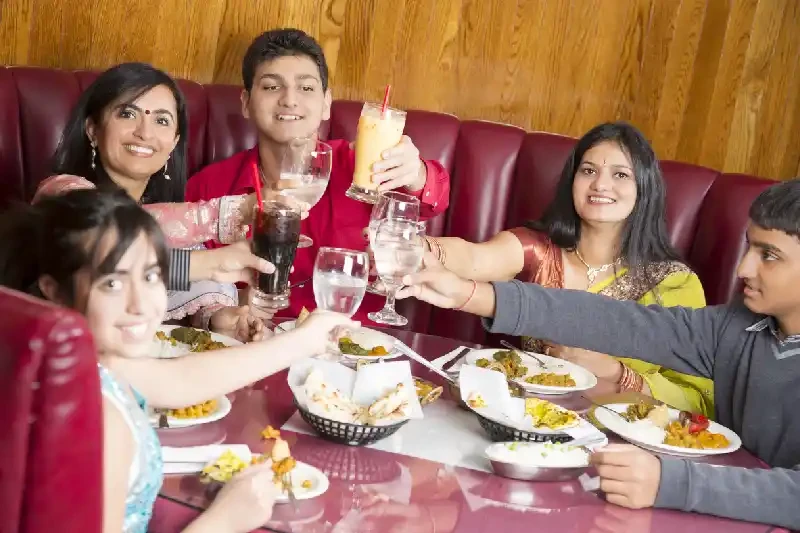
257	185
385	100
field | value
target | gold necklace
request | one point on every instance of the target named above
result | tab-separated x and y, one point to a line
593	272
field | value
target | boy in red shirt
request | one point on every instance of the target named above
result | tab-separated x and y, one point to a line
286	96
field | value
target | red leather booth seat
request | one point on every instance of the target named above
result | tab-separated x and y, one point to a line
50	412
501	175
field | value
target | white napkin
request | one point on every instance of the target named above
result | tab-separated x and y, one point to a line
194	458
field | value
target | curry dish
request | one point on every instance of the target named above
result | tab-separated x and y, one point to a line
690	430
193	411
198	339
549	415
549	379
348	347
510	361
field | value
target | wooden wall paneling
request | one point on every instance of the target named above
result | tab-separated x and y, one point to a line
772	94
374	27
737	30
546	58
242	21
703	81
712	82
669	66
46	33
331	29
492	68
426	55
752	91
187	36
15	21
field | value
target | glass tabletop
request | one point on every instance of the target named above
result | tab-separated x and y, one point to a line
387	491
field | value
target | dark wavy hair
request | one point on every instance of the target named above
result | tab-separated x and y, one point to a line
283	42
644	237
123	83
778	208
62	235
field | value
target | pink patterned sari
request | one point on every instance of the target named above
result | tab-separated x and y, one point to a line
185	225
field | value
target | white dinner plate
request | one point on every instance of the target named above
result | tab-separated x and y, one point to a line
163	350
365	337
223	408
305	472
626	431
584	380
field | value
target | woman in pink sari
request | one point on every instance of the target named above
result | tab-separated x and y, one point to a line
129	130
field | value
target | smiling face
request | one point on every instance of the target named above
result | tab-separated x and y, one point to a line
124	308
135	138
604	189
770	269
287	100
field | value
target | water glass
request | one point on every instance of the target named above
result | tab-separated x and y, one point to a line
389	206
305	172
340	279
398	250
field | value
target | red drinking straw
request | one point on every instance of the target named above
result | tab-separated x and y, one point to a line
257	185
385	100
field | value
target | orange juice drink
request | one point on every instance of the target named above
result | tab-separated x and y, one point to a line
376	133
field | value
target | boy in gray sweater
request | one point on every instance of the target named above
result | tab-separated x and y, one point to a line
750	348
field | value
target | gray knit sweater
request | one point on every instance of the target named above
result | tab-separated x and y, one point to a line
756	386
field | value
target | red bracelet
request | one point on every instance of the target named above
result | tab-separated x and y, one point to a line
474	288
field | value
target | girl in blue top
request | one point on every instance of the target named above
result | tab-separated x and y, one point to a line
102	255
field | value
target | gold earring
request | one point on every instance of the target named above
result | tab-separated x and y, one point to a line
166	176
94	156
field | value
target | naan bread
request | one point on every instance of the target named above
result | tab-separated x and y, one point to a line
389	402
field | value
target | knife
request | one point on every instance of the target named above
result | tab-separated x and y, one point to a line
461	355
424	362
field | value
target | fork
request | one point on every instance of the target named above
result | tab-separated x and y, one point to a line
508	345
287	486
604	407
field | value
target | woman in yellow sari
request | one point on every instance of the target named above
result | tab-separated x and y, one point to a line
604	232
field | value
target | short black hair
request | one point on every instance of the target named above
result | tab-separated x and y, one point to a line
778	208
283	42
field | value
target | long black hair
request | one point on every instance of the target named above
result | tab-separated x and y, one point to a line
123	83
61	235
644	237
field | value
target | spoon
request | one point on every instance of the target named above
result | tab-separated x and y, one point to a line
585	442
508	345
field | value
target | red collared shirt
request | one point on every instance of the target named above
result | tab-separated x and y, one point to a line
335	221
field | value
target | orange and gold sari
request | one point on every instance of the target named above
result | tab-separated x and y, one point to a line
671	283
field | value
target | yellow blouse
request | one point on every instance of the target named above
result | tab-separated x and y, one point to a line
681	391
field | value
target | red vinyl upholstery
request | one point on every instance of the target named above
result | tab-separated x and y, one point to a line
501	175
50	412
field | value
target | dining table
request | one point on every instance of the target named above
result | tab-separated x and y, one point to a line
431	476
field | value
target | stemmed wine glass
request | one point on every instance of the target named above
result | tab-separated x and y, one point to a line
305	172
398	249
390	205
340	279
